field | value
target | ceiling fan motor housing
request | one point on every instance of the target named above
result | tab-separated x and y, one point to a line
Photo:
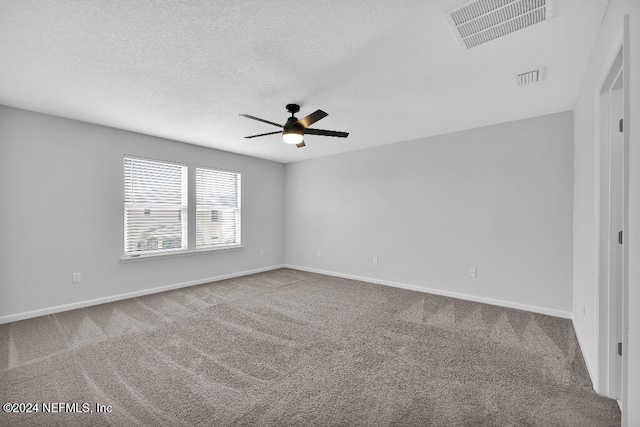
293	125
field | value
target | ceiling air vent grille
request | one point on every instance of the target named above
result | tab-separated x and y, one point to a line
481	21
530	77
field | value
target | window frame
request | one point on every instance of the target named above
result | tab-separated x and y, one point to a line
189	213
219	208
183	210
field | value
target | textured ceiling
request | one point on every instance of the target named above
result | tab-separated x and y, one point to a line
385	71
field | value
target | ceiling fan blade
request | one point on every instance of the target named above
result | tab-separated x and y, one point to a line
263	134
302	144
261	120
326	132
312	118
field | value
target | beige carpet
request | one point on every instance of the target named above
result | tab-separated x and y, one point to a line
289	348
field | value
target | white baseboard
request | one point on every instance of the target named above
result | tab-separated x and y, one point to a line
485	300
592	373
103	300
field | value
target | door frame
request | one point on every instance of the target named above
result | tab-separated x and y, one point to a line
609	294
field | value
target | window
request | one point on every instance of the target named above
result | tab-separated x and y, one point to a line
155	206
217	208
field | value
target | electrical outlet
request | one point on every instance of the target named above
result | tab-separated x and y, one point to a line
261	252
76	277
473	272
318	253
375	260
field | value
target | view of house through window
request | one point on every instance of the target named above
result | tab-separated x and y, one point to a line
217	208
155	206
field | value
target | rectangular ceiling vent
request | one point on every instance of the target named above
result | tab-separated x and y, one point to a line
530	77
481	21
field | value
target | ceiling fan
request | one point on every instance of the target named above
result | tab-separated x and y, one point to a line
294	130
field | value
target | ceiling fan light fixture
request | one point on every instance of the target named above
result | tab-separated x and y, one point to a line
294	130
292	137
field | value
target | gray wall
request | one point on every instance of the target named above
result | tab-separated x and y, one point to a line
497	198
62	212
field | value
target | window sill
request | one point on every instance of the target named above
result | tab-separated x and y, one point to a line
138	257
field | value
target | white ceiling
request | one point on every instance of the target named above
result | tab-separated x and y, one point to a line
385	71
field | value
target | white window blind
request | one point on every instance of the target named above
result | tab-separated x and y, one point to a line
155	206
217	208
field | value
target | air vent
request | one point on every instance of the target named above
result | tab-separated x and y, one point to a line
530	77
481	21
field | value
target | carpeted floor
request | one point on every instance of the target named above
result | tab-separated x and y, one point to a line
289	348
